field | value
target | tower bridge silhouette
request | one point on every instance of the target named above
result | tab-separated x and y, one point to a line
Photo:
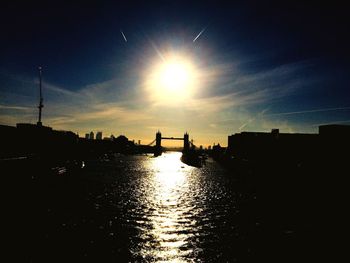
158	142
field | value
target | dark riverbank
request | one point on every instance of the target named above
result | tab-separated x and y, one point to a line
54	147
301	203
54	216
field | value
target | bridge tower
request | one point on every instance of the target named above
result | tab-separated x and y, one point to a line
158	149
186	142
158	139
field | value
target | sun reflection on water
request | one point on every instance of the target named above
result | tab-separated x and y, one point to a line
171	217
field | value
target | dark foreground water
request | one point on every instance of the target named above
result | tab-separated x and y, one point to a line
146	209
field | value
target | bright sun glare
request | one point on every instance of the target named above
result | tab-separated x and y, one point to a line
174	76
173	80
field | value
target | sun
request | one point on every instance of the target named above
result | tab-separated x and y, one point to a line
172	80
174	76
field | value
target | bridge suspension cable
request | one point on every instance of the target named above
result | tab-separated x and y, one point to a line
151	142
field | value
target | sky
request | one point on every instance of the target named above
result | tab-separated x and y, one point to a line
254	66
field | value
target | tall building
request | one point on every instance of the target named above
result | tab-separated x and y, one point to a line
258	145
87	136
99	135
92	135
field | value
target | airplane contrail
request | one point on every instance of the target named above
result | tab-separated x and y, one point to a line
200	33
329	123
253	119
123	36
309	111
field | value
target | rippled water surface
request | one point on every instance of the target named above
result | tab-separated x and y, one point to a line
171	209
140	209
173	212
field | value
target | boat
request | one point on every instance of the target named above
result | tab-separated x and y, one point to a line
192	158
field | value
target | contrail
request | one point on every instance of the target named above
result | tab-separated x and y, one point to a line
123	36
245	124
200	33
309	111
329	123
253	119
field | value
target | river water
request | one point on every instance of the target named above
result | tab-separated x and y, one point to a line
145	209
169	211
177	210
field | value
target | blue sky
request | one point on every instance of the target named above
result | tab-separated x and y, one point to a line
259	66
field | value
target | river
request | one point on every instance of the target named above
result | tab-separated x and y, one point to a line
146	209
179	211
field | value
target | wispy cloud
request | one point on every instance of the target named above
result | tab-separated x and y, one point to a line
227	101
247	89
59	90
67	109
12	107
275	76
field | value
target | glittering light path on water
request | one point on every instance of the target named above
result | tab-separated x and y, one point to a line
172	219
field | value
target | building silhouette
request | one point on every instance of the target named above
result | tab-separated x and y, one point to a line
262	145
92	135
99	135
289	146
